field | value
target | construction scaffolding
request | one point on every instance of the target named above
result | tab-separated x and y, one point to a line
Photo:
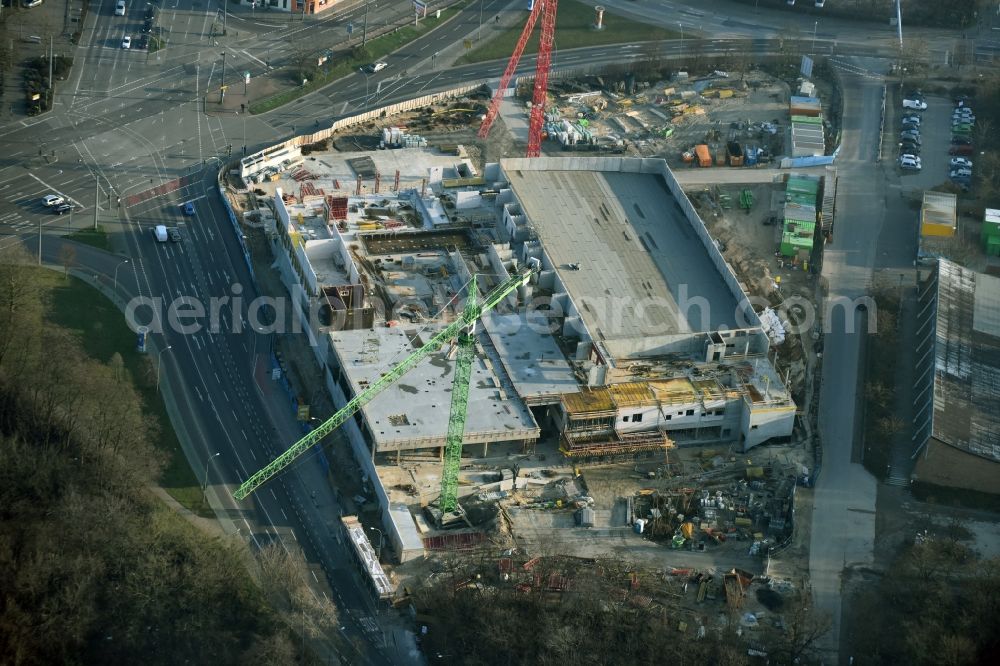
583	447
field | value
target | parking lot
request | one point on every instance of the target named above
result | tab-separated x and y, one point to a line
935	137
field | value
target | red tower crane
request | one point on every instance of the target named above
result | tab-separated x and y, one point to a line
547	8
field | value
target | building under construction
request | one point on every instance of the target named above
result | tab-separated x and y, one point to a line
633	335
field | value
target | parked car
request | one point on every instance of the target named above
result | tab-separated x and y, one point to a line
376	67
147	26
960	173
915	119
916	104
964	111
909	156
189	208
120	8
909	148
909	165
52	200
961	150
957	162
961	141
962	129
126	42
175	234
59	209
910	126
911	136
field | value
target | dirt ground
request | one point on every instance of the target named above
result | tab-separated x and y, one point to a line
945	465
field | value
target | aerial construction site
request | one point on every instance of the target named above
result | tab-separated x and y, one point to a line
541	362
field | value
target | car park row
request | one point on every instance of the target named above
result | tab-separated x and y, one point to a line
963	122
149	22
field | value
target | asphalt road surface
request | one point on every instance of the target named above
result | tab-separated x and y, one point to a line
129	120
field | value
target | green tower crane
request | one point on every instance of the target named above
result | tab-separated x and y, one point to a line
459	404
462	328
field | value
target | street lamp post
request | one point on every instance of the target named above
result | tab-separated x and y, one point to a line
222	85
364	30
681	26
204	484
815	25
124	261
479	35
381	537
225	10
362	70
159	359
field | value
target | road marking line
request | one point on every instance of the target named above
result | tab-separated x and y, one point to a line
244	52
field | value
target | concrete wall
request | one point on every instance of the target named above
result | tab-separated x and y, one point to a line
760	424
273	155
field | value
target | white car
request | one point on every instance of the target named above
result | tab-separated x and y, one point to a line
913	119
914	104
120	8
377	66
960	162
52	200
910	163
126	42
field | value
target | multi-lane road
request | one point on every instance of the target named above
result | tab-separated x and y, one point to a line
129	120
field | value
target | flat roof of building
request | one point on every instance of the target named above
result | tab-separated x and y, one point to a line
413	412
939	208
967	367
633	246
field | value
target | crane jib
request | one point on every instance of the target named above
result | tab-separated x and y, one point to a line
360	400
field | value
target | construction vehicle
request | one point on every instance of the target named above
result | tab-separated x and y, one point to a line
547	10
464	329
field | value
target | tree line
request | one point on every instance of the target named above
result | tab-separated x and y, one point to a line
94	568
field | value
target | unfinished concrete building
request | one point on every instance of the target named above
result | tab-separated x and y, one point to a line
633	335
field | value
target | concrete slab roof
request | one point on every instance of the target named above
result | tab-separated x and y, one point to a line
413	412
532	359
939	208
635	249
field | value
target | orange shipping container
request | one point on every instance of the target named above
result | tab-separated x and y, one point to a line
704	157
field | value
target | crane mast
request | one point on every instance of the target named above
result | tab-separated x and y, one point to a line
547	10
459	406
467	320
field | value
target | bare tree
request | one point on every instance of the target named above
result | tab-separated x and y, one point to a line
67	257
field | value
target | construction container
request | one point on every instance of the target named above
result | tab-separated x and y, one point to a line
735	152
991	232
939	214
805	106
703	154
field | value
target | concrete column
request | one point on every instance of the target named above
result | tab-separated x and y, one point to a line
599	18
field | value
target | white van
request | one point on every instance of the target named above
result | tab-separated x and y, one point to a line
160	233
